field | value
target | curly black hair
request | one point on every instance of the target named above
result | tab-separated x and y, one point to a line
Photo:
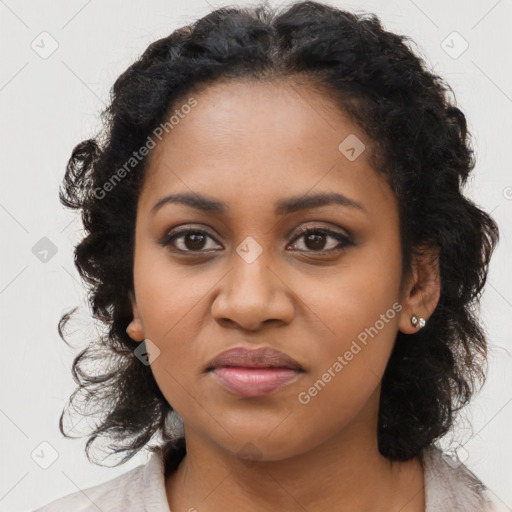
419	141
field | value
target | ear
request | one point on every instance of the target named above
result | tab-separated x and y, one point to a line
135	328
421	290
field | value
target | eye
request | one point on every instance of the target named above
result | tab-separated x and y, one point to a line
315	240
188	240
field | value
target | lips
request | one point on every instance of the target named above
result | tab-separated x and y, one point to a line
264	357
253	372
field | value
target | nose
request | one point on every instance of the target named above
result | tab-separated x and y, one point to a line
252	294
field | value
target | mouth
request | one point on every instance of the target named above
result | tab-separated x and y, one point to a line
253	372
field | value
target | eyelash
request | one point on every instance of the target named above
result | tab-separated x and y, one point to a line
344	240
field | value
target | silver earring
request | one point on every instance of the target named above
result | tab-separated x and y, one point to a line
418	322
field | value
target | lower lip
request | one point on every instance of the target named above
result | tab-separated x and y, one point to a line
253	382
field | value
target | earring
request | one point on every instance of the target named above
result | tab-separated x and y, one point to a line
131	331
418	322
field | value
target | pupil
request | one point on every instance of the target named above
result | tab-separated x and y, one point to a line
196	238
318	241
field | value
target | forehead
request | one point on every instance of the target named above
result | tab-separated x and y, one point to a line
261	137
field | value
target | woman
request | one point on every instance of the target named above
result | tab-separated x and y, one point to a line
279	245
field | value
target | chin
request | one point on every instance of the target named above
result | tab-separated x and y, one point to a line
253	444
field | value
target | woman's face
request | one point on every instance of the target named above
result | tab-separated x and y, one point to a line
258	158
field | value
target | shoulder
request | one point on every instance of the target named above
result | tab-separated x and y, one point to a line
115	495
451	486
142	488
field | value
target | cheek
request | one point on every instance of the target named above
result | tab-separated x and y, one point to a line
173	312
354	297
170	300
359	309
167	291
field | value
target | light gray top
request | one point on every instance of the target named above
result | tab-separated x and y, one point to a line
449	487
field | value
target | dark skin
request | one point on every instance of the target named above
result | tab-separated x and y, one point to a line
251	145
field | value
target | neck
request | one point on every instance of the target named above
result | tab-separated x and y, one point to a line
346	472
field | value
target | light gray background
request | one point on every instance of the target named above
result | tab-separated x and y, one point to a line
50	104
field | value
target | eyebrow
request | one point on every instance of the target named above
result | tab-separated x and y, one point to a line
282	207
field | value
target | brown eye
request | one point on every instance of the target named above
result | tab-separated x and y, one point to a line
188	241
317	240
194	241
